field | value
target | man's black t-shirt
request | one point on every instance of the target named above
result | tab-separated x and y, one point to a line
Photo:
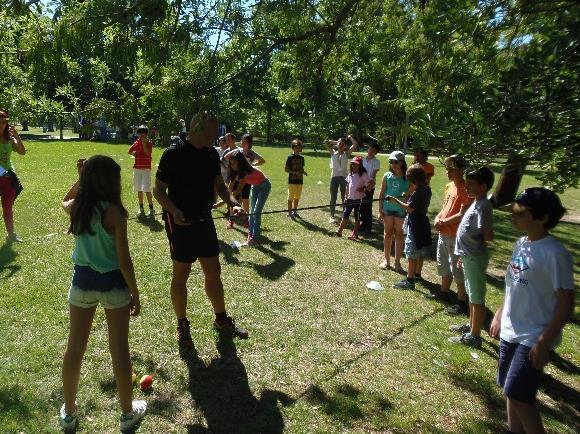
190	174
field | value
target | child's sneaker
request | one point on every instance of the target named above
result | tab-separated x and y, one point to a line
404	284
290	215
460	328
251	241
467	339
229	224
229	326
353	236
130	420
184	334
296	215
68	422
151	213
13	238
332	220
457	309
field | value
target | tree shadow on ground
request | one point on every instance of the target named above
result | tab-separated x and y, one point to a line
485	389
347	403
153	224
7	256
12	403
221	392
274	270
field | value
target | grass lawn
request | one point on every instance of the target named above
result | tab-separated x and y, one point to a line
325	354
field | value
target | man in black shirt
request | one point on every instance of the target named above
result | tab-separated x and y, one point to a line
187	175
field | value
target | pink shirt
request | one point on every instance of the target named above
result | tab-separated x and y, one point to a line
356	181
255	177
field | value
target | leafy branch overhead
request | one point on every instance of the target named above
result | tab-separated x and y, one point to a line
493	79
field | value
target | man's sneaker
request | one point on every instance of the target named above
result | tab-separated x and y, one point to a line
460	328
13	238
68	422
184	334
229	224
130	420
456	309
229	326
467	339
404	284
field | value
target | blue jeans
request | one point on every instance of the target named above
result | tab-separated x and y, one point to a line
335	183
257	201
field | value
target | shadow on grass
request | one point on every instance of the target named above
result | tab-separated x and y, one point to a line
274	270
347	403
312	227
7	256
153	224
12	404
221	392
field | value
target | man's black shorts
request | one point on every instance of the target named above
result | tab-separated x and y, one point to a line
187	243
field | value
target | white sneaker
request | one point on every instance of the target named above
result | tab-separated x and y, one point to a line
13	238
332	220
130	420
68	422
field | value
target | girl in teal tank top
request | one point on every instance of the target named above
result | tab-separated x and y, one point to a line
103	273
392	215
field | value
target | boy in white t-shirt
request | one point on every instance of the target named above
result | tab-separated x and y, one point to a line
539	300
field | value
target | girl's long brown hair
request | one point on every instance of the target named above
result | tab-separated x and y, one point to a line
100	181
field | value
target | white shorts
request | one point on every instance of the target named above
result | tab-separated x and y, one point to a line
113	299
142	180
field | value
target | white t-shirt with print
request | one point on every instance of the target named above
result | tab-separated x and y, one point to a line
537	270
372	166
339	164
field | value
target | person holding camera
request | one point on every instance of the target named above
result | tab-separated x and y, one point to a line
9	183
339	168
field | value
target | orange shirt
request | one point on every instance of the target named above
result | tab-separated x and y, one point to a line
453	199
429	170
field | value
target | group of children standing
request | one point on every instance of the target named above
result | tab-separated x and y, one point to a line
539	294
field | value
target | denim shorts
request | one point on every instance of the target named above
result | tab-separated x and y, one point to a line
411	250
89	288
398	214
516	375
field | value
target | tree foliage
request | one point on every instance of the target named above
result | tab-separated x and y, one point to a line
489	78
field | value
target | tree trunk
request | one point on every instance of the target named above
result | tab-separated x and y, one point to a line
269	122
24	124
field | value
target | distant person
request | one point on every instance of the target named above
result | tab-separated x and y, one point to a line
394	184
103	273
194	166
339	158
418	228
539	300
142	150
9	183
246	174
358	182
455	203
372	165
421	157
295	169
474	234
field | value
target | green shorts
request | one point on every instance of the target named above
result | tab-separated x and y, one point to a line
474	268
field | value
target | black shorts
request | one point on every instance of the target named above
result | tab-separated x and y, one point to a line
187	243
245	194
351	205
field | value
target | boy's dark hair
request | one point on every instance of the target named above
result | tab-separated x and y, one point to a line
483	175
248	138
142	129
228	135
416	175
296	142
542	202
375	145
100	181
423	151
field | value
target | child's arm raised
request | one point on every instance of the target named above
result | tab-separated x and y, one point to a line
69	197
117	218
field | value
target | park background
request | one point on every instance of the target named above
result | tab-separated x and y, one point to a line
496	80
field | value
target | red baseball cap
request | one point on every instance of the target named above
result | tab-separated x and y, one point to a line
356	160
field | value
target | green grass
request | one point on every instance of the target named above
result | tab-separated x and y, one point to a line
325	353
